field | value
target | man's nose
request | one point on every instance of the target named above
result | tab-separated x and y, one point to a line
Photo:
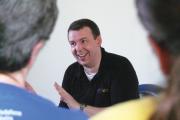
79	47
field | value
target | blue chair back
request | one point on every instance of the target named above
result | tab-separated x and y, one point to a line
149	90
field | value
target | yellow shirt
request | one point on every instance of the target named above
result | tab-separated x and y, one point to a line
140	109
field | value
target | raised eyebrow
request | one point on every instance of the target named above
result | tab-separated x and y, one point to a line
70	42
83	38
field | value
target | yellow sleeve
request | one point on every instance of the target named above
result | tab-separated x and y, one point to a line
140	109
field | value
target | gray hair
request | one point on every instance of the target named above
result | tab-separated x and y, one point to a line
22	24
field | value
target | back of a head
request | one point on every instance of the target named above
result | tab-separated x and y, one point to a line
22	24
81	23
161	19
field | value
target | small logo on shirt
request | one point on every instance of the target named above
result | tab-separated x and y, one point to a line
9	114
102	90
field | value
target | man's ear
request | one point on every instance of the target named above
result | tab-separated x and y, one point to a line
99	40
163	56
35	52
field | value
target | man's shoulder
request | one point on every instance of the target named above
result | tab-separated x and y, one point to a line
115	61
50	111
74	64
17	102
115	57
73	67
131	110
22	99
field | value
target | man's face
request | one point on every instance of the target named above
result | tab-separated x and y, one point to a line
84	46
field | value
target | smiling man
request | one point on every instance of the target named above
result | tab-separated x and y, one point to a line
86	49
98	79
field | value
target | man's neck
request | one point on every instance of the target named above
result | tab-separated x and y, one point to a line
90	70
94	68
15	79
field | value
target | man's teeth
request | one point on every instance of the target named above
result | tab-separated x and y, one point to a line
82	55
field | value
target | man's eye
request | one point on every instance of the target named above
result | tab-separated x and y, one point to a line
83	41
72	44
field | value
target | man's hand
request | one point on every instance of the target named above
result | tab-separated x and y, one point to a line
66	97
73	104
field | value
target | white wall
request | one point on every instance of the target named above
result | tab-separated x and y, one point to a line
121	32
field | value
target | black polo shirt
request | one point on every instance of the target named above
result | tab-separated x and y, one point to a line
115	82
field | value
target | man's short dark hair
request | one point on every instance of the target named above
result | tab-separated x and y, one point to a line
81	23
23	23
